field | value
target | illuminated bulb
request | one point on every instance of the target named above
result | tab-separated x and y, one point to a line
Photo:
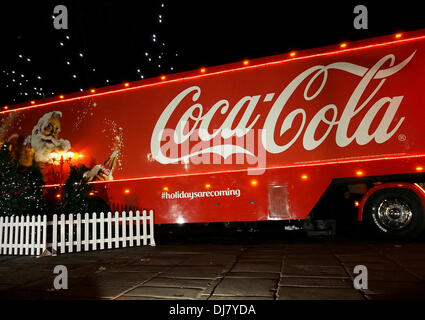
398	35
246	62
292	54
163	78
165	188
58	196
207	186
92	91
180	220
61	97
356	203
203	70
32	102
91	194
419	168
254	182
126	84
343	45
304	177
127	191
359	173
5	107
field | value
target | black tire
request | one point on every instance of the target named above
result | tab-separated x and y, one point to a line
395	213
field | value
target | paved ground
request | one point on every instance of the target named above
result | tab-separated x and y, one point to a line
291	269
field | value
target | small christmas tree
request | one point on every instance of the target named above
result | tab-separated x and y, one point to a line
75	193
31	196
20	188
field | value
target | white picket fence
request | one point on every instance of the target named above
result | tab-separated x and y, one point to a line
25	236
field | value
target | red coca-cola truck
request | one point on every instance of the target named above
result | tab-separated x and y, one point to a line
255	140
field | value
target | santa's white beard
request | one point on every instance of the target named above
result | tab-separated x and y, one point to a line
43	149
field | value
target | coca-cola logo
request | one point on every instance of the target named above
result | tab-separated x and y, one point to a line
243	110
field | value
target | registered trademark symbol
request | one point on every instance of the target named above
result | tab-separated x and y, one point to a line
401	137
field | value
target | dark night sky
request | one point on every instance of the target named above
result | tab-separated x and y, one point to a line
114	37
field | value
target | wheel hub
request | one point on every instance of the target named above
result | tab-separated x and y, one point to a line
393	214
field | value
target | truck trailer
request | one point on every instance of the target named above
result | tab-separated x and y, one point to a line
255	140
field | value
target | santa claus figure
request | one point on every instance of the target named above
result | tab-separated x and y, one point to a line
45	141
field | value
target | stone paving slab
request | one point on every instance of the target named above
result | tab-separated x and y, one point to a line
138	268
316	282
384	266
218	297
139	298
4	287
417	272
22	276
316	271
246	287
385	275
164	292
302	269
255	266
158	260
178	283
191	272
91	292
296	293
405	290
257	257
221	260
313	261
362	259
253	275
128	279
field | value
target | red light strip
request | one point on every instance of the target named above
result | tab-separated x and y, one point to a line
162	82
299	165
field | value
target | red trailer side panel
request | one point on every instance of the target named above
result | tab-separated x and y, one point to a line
256	142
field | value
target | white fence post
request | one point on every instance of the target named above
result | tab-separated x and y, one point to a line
86	232
145	235
44	243
124	227
102	231
55	235
78	232
16	234
109	230
130	228
117	230
1	235
27	234
151	224
62	233
137	228
38	235
23	235
70	232
33	235
94	231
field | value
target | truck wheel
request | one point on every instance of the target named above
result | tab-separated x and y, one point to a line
395	213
